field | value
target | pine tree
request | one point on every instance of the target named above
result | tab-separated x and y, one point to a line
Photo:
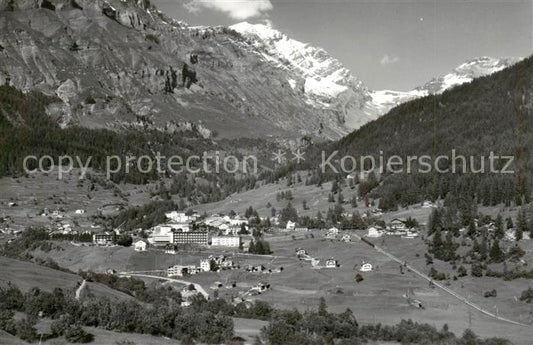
322	307
499	233
521	225
496	254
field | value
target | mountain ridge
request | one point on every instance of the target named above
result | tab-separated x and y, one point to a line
116	64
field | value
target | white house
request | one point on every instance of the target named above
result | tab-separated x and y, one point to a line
366	267
226	241
374	232
290	225
178	217
331	263
346	238
334	230
301	252
205	265
237	221
139	246
398	225
79	211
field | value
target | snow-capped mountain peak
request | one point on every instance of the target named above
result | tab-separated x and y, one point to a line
323	76
466	72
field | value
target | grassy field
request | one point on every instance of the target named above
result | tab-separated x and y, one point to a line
26	275
378	298
39	191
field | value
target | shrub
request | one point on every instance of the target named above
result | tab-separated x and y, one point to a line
76	334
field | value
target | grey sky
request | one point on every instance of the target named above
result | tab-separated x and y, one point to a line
395	44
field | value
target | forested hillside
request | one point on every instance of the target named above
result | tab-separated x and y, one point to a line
492	113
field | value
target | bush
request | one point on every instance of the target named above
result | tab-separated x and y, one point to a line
476	271
76	334
527	295
491	293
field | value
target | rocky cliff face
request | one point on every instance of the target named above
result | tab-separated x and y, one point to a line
117	64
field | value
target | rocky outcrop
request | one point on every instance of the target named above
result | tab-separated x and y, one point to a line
109	62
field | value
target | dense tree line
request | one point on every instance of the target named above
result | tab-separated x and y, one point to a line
166	318
489	114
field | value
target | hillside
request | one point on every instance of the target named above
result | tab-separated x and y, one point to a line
26	275
488	114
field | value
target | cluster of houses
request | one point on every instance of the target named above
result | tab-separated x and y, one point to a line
333	234
212	263
292	226
303	255
179	230
397	227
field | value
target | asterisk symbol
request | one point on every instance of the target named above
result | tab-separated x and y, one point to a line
298	156
278	156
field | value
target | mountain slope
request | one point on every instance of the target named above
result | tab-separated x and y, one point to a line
467	72
326	83
118	64
489	114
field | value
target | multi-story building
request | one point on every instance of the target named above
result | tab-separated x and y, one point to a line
191	237
104	238
226	241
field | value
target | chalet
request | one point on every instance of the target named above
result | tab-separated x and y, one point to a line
331	263
139	246
374	231
398	225
79	211
260	287
205	265
301	252
346	238
178	217
290	225
105	238
366	267
333	230
331	235
258	268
